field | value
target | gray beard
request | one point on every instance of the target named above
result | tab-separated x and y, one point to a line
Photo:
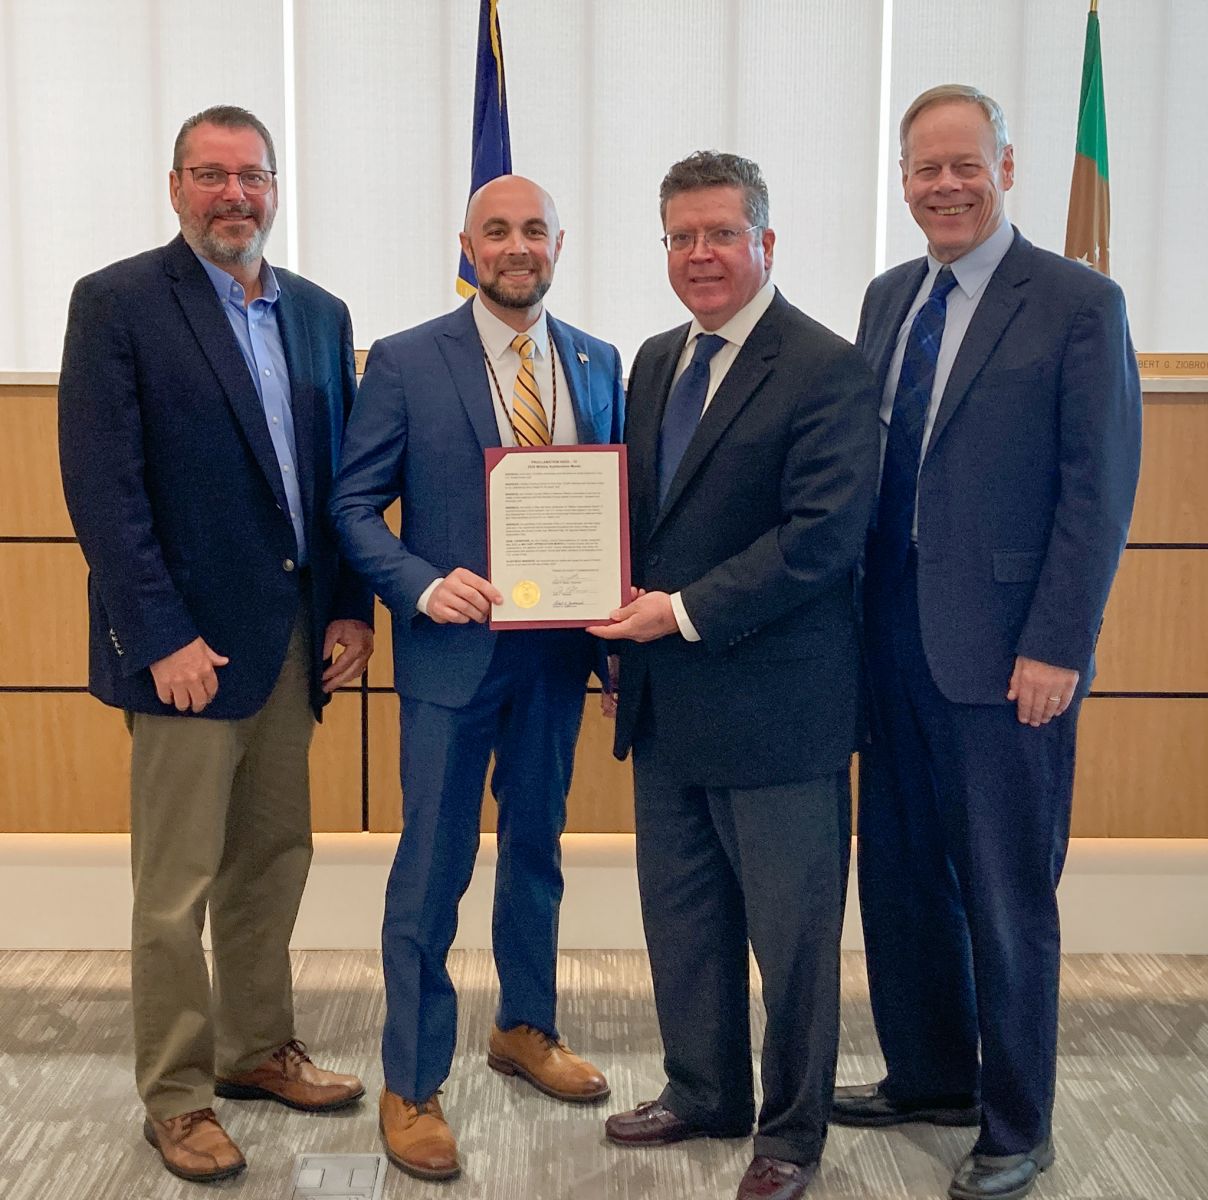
220	252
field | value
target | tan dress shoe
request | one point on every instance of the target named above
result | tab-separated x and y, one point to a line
289	1077
548	1064
194	1146
417	1137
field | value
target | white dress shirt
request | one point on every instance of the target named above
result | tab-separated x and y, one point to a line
736	331
972	271
505	362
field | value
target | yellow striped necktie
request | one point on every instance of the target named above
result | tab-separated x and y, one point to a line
529	422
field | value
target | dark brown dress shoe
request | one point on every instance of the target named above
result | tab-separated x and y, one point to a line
1001	1177
194	1146
775	1179
289	1077
865	1105
653	1124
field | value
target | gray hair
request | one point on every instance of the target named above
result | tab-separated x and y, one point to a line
963	93
710	168
225	116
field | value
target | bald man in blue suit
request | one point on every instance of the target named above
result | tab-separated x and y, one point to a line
432	400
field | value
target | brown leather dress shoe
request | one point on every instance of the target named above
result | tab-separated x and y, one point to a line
417	1137
653	1124
775	1179
289	1077
548	1064
194	1146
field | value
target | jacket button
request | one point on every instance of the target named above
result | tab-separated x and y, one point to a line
288	564
654	560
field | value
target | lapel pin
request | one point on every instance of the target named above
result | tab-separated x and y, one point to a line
582	357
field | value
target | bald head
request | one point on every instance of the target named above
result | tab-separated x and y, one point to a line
512	240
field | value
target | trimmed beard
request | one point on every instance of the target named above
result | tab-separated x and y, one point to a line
504	299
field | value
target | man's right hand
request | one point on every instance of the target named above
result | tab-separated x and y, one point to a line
186	678
462	596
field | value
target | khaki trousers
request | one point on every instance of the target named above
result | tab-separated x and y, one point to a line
220	818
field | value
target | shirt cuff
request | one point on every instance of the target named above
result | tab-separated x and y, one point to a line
682	619
421	605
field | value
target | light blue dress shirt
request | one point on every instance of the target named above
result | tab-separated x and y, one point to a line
259	338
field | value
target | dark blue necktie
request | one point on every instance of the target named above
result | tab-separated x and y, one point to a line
904	445
684	407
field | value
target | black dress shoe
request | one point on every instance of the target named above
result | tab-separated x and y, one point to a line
653	1124
866	1105
775	1179
1001	1177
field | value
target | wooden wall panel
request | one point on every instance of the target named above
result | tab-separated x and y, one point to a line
1153	637
65	764
31	497
1172	499
1142	769
335	766
44	615
601	795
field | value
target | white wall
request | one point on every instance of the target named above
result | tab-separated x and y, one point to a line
604	95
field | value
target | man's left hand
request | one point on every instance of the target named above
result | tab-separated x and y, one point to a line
645	619
1040	691
356	638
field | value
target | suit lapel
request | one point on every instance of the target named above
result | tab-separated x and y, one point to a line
461	348
882	336
572	354
203	311
990	320
295	336
642	425
748	371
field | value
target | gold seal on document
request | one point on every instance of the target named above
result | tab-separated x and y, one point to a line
526	593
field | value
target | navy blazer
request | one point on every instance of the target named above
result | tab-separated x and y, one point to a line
760	531
1027	485
423	418
173	486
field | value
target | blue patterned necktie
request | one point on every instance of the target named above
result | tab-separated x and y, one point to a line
684	407
904	445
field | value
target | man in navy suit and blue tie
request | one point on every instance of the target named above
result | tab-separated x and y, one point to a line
1012	423
497	371
201	404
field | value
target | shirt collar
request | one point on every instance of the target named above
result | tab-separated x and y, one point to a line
973	269
738	328
230	289
497	337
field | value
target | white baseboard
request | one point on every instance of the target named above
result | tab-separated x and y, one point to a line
72	892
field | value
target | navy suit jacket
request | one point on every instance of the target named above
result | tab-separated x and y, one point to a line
424	416
173	486
1027	485
760	531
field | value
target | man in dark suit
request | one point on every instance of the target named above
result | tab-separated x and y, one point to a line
497	371
986	578
201	404
738	681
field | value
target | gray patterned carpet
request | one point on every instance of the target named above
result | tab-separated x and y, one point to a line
1131	1122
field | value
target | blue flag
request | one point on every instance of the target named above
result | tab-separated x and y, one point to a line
492	143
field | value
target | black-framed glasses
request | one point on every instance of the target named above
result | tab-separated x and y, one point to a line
255	182
718	239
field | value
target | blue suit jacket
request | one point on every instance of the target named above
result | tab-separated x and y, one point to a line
173	486
1027	485
423	418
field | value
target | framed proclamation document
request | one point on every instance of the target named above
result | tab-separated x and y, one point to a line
557	535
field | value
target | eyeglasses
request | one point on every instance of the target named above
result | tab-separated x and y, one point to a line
718	239
214	179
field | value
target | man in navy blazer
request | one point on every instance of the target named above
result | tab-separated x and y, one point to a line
497	371
1011	404
201	403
